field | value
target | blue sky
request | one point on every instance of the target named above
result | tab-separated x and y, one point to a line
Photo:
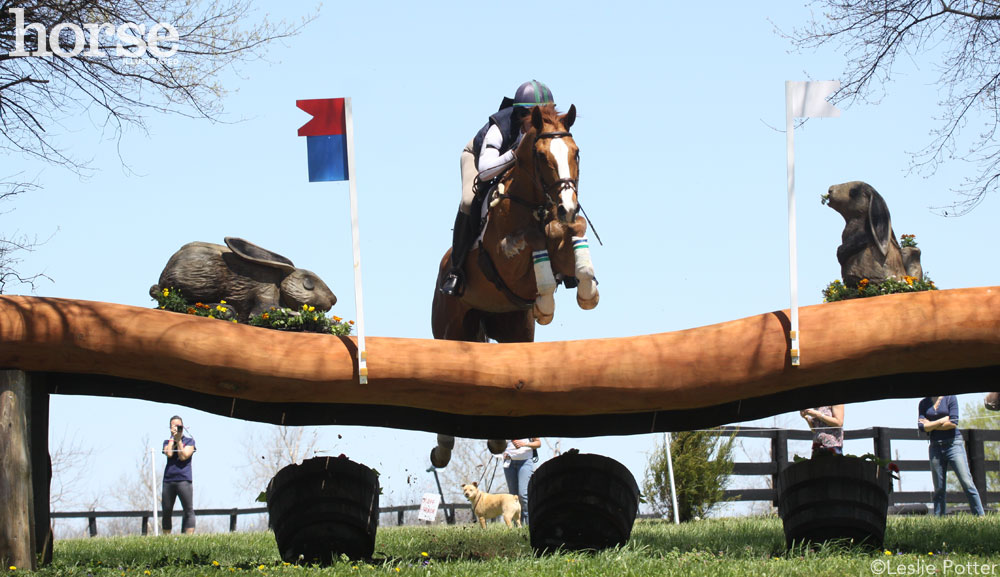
681	112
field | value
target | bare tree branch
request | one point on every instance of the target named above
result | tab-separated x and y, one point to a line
964	36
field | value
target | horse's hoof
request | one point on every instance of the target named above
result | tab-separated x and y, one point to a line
446	441
496	446
588	305
542	317
440	457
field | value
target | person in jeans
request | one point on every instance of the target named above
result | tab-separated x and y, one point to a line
518	465
938	416
177	476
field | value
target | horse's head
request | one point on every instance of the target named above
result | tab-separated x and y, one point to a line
556	160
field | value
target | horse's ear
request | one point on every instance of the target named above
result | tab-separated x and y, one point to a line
536	118
570	117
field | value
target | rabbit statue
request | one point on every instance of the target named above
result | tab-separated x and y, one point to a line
249	278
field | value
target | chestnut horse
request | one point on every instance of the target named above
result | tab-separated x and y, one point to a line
533	239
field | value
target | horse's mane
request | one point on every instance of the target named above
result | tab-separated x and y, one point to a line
549	116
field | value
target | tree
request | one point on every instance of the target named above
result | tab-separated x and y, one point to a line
963	36
13	245
975	415
702	462
272	451
109	67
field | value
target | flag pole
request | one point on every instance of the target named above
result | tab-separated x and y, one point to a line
356	241
793	257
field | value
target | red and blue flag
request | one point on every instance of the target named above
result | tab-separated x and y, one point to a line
326	138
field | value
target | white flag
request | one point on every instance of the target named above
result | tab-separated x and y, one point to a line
808	99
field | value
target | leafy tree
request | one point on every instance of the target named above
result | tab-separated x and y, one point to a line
702	463
115	88
963	39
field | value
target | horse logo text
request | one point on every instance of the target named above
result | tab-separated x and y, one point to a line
131	40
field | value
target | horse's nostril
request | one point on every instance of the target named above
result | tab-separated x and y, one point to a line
561	212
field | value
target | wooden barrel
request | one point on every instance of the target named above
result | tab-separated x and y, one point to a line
581	502
324	508
834	497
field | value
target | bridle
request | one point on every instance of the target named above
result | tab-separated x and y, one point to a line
541	212
558	186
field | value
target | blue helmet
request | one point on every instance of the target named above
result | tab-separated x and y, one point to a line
533	93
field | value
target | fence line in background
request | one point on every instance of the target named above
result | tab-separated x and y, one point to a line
882	438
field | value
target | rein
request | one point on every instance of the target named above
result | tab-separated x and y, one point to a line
540	212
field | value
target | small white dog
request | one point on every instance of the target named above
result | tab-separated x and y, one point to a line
487	505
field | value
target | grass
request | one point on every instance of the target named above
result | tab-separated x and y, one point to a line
749	547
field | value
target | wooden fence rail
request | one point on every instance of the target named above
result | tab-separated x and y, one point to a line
92	516
882	437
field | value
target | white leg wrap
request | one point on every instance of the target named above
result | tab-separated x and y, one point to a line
545	280
587	290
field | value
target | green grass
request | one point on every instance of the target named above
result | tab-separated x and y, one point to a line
749	547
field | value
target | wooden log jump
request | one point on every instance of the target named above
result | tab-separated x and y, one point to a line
904	345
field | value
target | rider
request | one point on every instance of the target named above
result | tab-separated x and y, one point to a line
488	154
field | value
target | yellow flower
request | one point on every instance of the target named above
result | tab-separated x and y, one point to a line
215	563
146	572
888	552
166	292
311	309
424	554
315	317
223	302
13	568
305	307
285	564
397	569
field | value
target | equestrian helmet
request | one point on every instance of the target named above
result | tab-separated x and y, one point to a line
533	93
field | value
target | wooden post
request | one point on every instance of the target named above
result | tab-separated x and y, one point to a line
17	546
41	467
92	525
399	517
232	521
882	442
779	454
976	451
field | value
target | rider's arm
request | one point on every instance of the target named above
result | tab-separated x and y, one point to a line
490	162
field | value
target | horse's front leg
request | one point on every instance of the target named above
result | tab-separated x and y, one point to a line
587	295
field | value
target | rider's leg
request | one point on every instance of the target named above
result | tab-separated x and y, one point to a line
454	282
463	234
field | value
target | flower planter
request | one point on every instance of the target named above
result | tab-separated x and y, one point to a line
835	497
581	502
324	508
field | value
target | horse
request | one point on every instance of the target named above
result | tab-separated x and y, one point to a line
533	239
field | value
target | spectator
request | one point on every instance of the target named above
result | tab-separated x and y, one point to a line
938	416
518	465
827	425
177	476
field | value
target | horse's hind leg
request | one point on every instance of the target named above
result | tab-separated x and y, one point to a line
512	327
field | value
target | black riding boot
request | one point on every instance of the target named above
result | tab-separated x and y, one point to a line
461	242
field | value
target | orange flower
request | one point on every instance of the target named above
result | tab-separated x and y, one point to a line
265	316
863	283
909	280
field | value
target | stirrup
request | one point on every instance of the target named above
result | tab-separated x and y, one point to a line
453	285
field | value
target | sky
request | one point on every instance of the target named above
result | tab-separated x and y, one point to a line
680	126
